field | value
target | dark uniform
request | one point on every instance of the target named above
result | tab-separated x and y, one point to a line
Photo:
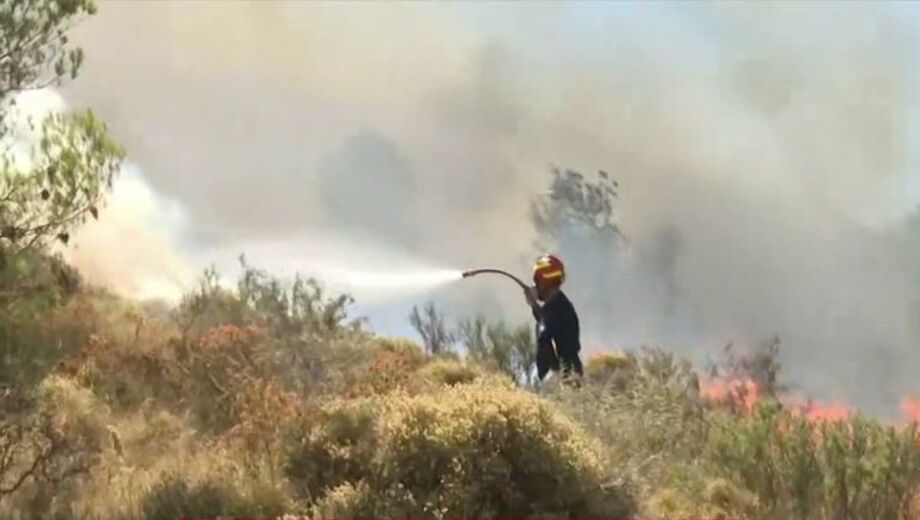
558	327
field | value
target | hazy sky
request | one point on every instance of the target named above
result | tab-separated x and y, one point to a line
776	141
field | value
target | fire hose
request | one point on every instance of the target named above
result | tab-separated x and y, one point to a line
474	272
528	291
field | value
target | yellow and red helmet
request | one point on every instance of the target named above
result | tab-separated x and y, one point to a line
548	268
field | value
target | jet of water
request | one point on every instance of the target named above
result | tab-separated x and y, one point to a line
392	282
370	271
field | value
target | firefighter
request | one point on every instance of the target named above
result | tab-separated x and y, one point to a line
558	341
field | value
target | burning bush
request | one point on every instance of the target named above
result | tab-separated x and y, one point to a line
737	395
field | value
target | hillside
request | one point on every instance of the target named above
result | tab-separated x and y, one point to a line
268	400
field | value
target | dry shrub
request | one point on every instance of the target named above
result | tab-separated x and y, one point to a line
402	366
218	368
701	497
177	496
406	348
651	427
479	450
265	412
203	484
210	377
449	371
613	369
388	365
263	409
161	468
48	447
121	376
126	360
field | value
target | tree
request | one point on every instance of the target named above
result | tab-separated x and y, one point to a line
70	170
34	50
508	350
576	219
49	184
430	325
63	180
573	200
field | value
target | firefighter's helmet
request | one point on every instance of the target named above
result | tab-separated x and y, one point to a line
548	268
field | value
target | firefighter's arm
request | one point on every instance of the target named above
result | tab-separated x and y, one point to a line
532	301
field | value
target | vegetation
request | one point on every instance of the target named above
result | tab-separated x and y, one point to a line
269	399
243	405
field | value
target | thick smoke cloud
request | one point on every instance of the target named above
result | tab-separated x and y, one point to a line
763	153
369	163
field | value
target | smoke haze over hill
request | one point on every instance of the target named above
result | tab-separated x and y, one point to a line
765	156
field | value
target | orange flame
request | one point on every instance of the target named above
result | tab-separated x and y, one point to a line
910	408
742	393
817	412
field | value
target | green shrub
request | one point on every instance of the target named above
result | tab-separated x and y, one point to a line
42	316
870	471
339	449
852	468
483	449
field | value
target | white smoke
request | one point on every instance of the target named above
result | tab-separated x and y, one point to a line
133	248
